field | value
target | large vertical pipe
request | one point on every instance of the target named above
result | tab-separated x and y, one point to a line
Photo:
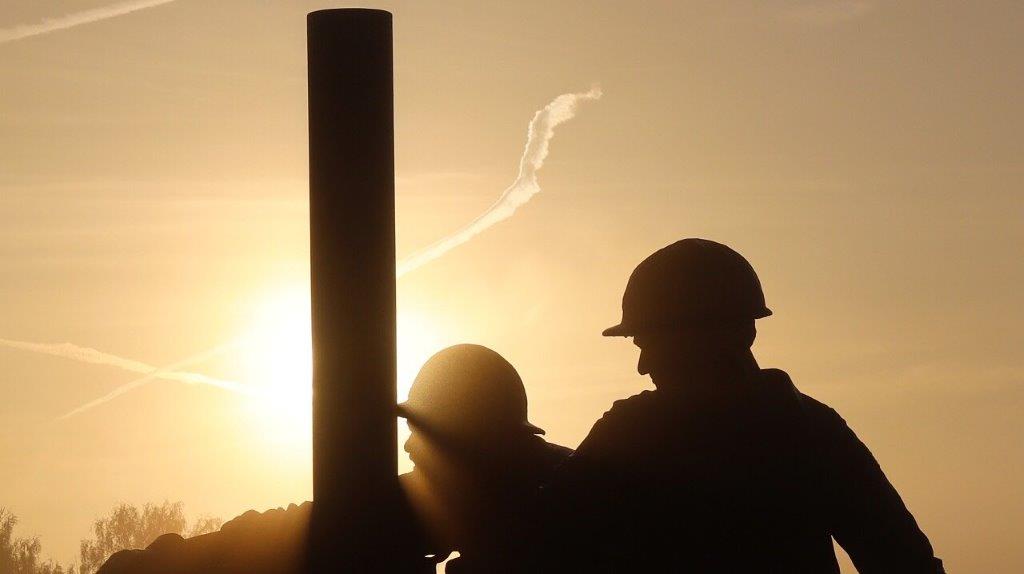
352	246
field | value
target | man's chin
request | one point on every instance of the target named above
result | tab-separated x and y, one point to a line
669	380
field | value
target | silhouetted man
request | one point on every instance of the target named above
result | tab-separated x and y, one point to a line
725	467
479	462
478	465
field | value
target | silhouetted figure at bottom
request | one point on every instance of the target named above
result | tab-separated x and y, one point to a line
478	465
725	467
479	462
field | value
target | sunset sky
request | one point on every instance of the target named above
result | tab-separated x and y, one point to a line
865	156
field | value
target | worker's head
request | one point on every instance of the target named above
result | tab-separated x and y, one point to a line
467	400
666	355
689	306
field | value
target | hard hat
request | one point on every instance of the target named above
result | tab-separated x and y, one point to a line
468	388
690	282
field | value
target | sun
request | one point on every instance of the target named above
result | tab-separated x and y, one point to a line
276	360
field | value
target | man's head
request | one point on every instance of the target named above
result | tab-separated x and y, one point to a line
465	399
683	351
691	307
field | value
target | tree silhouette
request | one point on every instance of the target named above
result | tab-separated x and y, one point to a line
128	527
21	555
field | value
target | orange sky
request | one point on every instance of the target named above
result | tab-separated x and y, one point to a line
865	156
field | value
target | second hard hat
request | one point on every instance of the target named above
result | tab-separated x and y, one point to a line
689	283
468	388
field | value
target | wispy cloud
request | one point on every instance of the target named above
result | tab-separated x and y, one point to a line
538	139
827	12
49	25
170	373
151	372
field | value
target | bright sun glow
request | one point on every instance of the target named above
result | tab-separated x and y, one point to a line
277	361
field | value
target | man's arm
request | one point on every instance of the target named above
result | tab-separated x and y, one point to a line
865	514
581	525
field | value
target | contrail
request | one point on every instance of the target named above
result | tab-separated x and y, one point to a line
169	373
538	136
151	372
76	19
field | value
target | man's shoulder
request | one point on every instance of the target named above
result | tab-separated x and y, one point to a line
820	412
825	426
815	410
620	423
627	411
556	452
636	404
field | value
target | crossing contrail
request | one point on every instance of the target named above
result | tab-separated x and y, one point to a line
150	372
538	138
76	19
168	373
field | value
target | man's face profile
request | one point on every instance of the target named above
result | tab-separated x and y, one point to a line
666	352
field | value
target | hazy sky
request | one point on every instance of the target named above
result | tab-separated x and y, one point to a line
865	156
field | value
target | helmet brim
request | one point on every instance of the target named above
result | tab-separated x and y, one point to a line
620	330
624	330
403	412
532	428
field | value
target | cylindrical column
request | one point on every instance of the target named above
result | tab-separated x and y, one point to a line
352	249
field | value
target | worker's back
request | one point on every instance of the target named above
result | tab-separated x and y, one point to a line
753	477
270	542
478	467
726	467
483	514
